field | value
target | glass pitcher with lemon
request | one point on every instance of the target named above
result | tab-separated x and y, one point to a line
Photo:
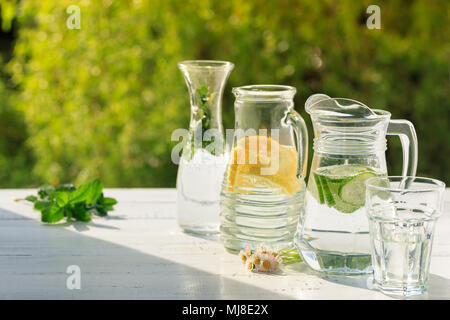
263	189
349	148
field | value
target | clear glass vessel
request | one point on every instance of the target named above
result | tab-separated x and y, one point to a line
263	188
402	214
349	148
203	161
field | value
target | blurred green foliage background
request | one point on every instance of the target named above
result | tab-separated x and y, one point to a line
103	101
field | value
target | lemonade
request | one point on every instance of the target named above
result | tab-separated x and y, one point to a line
257	207
254	154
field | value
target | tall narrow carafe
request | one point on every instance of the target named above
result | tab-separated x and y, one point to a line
349	148
204	157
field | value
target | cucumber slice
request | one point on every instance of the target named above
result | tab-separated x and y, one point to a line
354	191
344	207
327	191
346	170
344	173
319	189
342	186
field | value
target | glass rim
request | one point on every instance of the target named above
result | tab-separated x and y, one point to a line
431	184
265	90
212	64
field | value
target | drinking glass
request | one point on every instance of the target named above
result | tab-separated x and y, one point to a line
402	214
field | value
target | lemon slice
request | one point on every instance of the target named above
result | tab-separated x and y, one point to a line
261	162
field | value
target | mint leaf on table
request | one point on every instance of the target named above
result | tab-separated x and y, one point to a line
31	198
80	213
88	192
67	201
41	204
103	205
52	214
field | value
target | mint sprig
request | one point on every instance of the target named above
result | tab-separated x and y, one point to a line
203	116
203	103
70	202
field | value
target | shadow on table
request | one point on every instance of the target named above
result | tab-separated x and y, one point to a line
34	260
363	281
438	287
81	226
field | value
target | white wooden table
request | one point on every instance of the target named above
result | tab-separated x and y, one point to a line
138	252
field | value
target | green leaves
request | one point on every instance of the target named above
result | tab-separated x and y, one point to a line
88	192
52	214
41	204
203	115
203	104
66	200
31	198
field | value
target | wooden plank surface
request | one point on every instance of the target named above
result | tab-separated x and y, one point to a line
139	253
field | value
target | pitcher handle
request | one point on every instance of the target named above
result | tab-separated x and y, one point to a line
295	120
407	134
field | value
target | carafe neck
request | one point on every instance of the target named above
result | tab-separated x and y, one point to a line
206	81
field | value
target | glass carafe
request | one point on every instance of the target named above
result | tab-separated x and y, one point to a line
349	148
263	188
203	161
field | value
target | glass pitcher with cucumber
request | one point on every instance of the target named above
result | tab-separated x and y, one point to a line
349	148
